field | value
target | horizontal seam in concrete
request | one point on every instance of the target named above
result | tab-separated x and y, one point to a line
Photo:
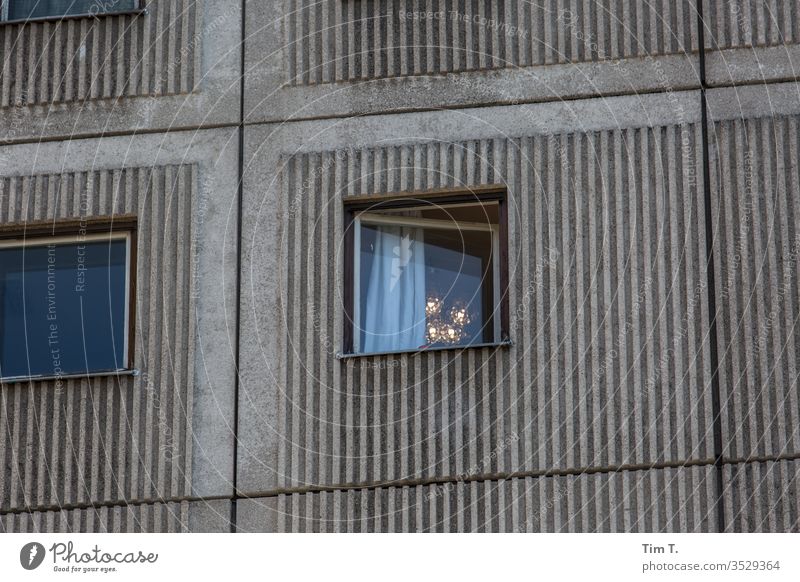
709	462
122	133
408	483
753	83
761	459
748	48
113	504
445	107
399	111
475	71
503	476
485	104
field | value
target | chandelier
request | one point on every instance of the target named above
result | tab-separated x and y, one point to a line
445	327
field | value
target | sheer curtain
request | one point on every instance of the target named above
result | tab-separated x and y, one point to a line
394	305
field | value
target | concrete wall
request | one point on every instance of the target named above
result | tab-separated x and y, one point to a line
177	66
185	516
751	42
607	274
363	56
163	434
669	500
755	176
599	416
77	98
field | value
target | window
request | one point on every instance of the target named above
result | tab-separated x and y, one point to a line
425	272
65	304
35	9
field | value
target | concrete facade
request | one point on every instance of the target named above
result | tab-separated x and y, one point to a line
650	159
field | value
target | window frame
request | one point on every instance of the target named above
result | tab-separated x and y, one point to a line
139	8
356	206
71	231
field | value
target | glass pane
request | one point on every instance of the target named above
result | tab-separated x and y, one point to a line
423	286
459	289
62	309
23	9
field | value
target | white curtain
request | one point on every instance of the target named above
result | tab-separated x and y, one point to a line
394	306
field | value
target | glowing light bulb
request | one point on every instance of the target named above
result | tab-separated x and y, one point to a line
449	330
459	314
433	306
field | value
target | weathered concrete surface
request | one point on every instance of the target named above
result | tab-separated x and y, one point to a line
591	122
196	516
754	181
609	364
186	74
757	65
183	187
751	42
305	61
762	496
656	500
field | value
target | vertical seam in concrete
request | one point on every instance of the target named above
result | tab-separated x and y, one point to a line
716	406
239	210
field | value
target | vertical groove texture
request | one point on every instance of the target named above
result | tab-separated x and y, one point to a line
749	23
108	439
155	518
755	181
366	39
763	497
658	500
608	365
102	58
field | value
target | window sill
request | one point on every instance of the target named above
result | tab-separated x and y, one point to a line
134	12
26	379
415	351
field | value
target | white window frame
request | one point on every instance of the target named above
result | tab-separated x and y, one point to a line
367	217
43	241
139	7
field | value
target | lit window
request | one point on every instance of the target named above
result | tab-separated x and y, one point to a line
425	274
65	305
31	9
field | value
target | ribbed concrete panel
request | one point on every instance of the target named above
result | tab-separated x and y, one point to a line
157	53
752	41
185	516
609	364
757	246
657	500
367	39
751	23
762	497
106	439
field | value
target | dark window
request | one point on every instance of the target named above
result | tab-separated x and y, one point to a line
27	9
425	273
64	305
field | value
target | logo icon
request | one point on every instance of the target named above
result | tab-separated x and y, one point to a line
31	555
